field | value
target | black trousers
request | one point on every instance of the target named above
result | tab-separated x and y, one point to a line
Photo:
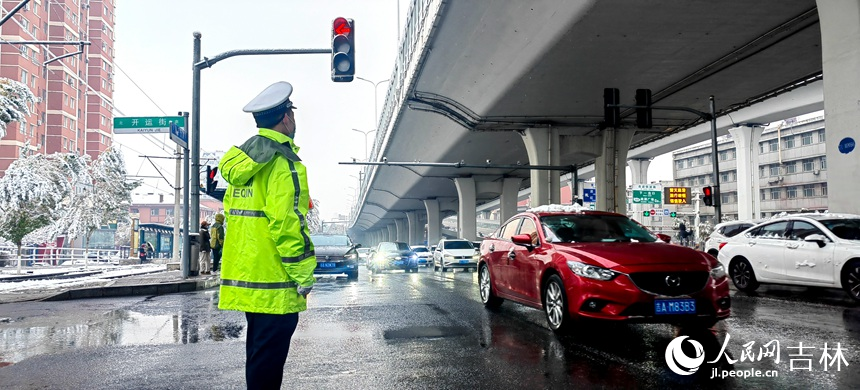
267	347
216	258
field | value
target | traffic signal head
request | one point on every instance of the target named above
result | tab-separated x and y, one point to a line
211	183
342	50
611	115
643	115
708	196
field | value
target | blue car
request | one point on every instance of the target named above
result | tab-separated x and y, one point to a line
392	255
336	254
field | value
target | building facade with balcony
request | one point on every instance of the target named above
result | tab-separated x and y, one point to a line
74	95
792	171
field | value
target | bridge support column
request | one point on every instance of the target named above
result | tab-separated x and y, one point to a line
434	221
639	173
746	145
508	200
542	146
610	171
840	55
415	233
391	232
466	214
402	230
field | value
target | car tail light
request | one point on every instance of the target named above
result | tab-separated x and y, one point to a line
722	244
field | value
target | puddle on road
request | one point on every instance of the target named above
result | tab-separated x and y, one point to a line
115	328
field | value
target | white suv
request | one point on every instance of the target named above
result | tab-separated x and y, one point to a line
455	253
724	231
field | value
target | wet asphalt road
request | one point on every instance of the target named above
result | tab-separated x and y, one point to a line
405	331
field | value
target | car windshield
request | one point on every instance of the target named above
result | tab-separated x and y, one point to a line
594	228
458	245
330	240
420	249
846	229
393	246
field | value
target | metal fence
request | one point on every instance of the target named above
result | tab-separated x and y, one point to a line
59	256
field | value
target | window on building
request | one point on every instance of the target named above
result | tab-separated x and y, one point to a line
772	145
762	171
808	165
725	198
821	136
24	76
788	142
791	167
791	192
700	160
763	194
806	139
733	155
808	190
724	155
823	189
775	193
724	177
169	212
153	212
774	170
679	164
823	162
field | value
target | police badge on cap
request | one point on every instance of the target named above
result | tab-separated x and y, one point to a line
270	105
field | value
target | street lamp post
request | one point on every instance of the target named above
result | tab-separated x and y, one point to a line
375	96
366	133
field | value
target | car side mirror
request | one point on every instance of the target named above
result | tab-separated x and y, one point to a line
356	246
817	238
664	237
524	240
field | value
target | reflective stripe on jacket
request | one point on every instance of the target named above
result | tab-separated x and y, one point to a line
268	252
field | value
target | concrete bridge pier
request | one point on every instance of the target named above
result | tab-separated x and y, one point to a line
746	148
434	221
542	146
840	55
508	199
610	171
639	173
416	228
466	213
402	230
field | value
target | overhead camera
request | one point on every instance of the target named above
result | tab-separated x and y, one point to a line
385	159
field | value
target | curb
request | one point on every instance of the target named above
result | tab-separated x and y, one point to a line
127	291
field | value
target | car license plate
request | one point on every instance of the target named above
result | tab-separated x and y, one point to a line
328	265
675	306
398	263
464	261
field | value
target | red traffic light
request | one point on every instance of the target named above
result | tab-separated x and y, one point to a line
212	172
706	191
340	26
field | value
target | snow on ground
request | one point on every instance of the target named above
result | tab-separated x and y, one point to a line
102	279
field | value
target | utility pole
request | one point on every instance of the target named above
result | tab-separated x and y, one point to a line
176	202
186	241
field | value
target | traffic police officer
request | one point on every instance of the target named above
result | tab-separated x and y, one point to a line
268	258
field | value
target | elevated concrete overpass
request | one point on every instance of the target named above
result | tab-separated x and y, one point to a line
521	83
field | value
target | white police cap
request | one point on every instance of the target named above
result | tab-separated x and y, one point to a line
273	100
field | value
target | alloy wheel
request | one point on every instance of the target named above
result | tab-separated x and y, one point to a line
852	281
484	280
742	274
554	305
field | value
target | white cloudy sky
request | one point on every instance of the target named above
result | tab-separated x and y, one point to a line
154	48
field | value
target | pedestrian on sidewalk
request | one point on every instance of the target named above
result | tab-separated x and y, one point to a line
204	248
142	252
217	241
269	258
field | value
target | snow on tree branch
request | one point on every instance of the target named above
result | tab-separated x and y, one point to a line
15	101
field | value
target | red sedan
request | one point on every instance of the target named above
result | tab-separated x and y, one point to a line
599	265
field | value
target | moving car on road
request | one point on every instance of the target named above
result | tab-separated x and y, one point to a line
393	255
815	249
363	255
425	257
336	254
577	264
455	253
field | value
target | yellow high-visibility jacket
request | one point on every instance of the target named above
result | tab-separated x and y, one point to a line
268	251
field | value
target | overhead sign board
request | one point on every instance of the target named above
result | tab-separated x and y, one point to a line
677	195
648	194
146	125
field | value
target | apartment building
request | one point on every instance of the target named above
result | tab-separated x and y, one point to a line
73	112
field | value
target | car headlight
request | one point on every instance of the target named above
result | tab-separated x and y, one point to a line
591	271
718	272
414	257
449	257
351	256
476	257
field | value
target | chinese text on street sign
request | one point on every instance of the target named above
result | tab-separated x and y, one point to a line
146	125
648	194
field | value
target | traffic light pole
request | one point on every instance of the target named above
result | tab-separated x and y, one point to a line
712	117
186	242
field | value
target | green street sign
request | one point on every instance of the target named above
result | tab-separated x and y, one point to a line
673	214
146	124
647	197
646	213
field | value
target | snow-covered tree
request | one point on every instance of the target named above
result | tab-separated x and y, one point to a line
122	237
30	193
15	102
314	221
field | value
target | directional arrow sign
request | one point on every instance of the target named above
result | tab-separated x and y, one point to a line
342	29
